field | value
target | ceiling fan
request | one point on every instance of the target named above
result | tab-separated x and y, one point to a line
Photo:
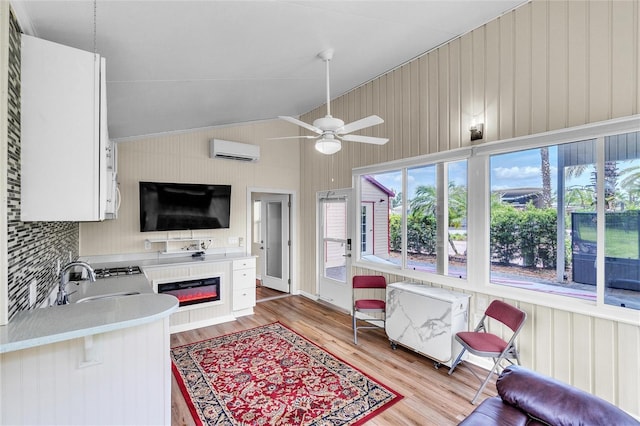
332	130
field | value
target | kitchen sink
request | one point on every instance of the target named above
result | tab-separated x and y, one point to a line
108	296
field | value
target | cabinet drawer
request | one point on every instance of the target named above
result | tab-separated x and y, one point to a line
244	263
244	278
244	298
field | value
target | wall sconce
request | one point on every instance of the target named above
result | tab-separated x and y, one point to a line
476	131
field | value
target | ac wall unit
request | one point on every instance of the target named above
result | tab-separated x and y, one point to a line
228	150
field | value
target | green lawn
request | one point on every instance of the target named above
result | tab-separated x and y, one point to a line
618	243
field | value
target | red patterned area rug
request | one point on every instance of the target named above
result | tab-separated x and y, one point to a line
271	375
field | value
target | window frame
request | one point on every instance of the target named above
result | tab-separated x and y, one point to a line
478	217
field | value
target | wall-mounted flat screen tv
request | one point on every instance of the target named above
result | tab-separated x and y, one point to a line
183	206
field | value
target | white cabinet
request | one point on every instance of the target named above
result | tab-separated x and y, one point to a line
64	133
244	285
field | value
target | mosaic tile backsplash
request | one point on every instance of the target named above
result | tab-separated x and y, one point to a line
34	248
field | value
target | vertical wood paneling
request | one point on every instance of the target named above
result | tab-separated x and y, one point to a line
46	385
492	84
578	63
444	103
454	124
624	45
405	111
424	104
434	102
506	95
543	324
582	351
523	71
628	371
561	350
605	374
185	158
397	114
478	98
539	67
414	108
599	61
558	70
466	85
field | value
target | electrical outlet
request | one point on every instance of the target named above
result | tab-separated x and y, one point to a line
241	242
33	293
147	245
233	241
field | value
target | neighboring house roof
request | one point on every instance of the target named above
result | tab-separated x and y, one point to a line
377	184
519	196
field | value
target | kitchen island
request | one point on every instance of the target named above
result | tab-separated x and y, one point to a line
103	361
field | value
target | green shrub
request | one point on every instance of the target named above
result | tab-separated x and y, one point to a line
504	237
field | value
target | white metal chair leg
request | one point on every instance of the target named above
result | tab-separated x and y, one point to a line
486	380
456	362
355	329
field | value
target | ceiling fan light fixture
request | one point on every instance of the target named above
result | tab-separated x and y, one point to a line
328	146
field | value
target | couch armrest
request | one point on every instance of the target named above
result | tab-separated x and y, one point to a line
555	402
494	412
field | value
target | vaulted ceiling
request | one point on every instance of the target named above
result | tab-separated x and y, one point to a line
179	65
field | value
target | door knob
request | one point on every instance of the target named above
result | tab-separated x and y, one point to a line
346	255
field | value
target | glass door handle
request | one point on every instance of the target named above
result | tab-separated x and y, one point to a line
346	255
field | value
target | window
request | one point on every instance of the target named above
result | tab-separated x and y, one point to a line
381	218
532	198
424	231
622	220
544	221
257	221
556	212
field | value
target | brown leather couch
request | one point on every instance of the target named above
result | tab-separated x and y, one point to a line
528	398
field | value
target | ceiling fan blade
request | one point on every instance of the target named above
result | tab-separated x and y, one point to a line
372	120
365	139
301	124
293	137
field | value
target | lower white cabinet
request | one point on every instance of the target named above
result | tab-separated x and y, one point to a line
237	290
244	285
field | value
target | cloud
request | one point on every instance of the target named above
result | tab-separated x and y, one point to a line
516	172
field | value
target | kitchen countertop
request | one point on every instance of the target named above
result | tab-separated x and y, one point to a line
53	324
170	260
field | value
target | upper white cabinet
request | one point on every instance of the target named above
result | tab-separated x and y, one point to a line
68	164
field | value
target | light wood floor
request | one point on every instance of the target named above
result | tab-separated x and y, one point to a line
266	293
431	397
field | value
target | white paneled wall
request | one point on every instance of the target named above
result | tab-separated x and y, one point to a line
184	157
546	65
131	383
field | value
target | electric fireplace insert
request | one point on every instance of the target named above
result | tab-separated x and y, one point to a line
193	291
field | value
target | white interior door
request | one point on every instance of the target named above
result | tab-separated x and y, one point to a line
334	251
275	242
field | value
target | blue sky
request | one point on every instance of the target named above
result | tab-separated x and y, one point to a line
513	170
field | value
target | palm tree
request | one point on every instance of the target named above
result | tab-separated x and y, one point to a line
425	201
546	177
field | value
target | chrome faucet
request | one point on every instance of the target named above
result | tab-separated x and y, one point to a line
64	280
